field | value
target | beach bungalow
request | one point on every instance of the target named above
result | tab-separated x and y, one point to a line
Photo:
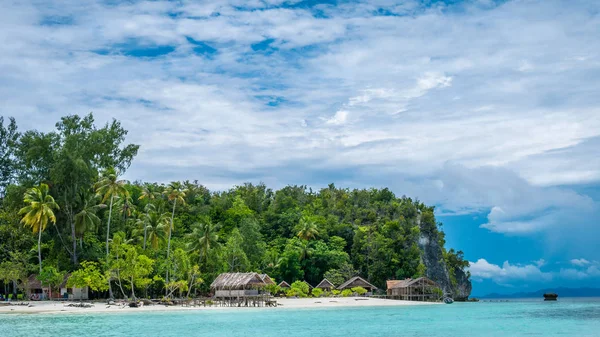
357	281
284	285
37	291
325	285
419	289
266	279
240	289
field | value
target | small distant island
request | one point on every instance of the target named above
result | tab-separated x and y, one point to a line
563	292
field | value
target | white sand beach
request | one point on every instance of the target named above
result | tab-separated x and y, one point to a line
283	303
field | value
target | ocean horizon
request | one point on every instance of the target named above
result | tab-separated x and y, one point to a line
523	317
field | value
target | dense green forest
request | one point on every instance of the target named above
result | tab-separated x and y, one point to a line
65	208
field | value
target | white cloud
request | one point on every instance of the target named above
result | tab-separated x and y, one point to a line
580	262
482	269
339	118
526	122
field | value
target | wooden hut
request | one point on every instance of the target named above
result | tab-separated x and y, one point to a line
37	291
266	279
419	289
284	285
240	289
357	281
325	285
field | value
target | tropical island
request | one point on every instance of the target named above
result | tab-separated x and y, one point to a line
69	223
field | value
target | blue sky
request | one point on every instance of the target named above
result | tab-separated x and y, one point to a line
488	109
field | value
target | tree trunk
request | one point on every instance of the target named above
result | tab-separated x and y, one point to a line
110	292
40	247
74	243
145	231
132	290
169	242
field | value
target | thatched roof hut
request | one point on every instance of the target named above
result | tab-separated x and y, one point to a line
237	281
284	285
266	279
357	281
325	285
419	289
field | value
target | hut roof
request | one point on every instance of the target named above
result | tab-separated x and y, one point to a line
237	281
266	279
284	284
354	279
33	282
395	284
325	284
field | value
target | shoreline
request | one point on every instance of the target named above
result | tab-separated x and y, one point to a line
49	307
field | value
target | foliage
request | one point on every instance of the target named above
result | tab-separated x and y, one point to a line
184	232
299	289
317	292
347	292
89	275
51	277
359	290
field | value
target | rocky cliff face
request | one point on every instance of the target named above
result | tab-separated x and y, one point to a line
433	259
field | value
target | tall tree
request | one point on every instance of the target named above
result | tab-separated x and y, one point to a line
39	212
87	218
307	229
155	225
110	187
175	193
203	238
8	142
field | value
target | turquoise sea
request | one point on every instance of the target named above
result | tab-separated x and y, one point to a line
567	317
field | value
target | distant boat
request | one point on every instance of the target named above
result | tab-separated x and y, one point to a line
448	300
550	296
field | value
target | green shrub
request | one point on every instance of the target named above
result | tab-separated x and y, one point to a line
299	289
335	292
317	292
359	290
347	292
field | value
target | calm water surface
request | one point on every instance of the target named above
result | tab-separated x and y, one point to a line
576	317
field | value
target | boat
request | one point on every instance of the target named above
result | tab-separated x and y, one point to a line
448	300
550	296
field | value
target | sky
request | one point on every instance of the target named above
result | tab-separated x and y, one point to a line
489	110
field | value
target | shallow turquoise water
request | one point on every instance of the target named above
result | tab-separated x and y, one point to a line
580	317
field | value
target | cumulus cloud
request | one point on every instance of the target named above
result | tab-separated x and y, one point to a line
580	262
482	269
291	93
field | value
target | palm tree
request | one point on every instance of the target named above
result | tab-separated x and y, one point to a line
203	238
307	229
175	193
39	211
87	219
110	187
155	226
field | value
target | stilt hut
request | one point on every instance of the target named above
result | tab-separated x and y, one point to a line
325	285
357	281
419	289
239	289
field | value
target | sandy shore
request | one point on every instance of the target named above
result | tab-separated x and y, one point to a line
284	303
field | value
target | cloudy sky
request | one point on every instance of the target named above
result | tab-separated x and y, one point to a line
488	109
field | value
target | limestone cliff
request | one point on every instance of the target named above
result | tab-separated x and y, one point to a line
454	283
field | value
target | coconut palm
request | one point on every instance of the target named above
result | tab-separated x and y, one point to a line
38	213
307	229
109	187
155	225
175	193
203	238
87	219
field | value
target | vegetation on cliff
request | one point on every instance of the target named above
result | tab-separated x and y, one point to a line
153	239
